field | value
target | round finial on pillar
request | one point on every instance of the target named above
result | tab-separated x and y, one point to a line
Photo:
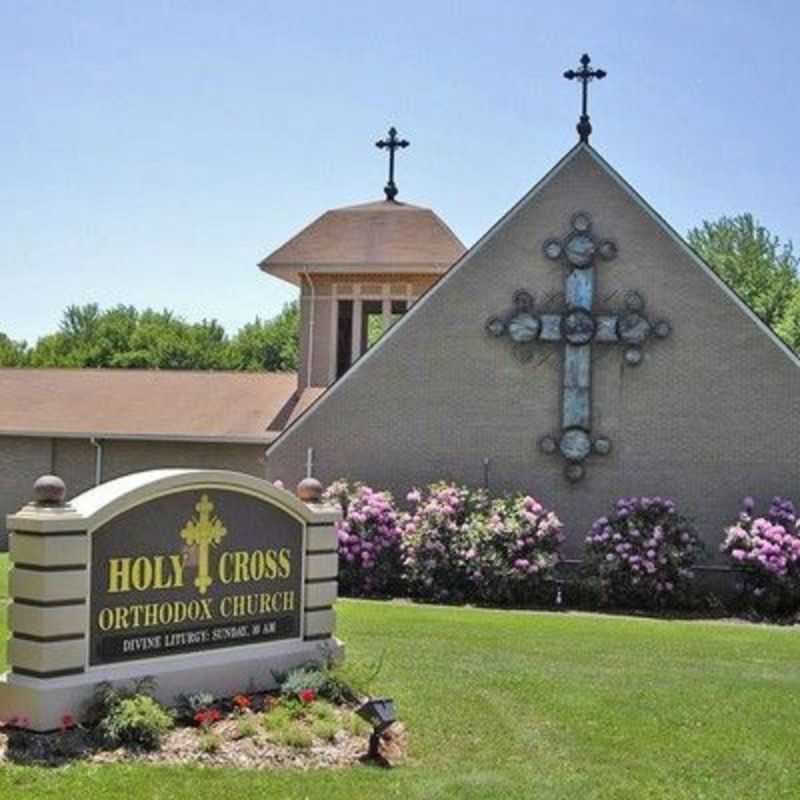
310	490
49	490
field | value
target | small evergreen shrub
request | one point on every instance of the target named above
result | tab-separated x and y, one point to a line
643	553
188	705
368	540
277	720
767	549
438	537
247	727
210	742
129	717
325	729
296	737
297	681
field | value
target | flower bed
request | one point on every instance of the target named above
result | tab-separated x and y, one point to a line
310	720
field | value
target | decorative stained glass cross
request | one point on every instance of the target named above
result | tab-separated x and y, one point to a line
577	327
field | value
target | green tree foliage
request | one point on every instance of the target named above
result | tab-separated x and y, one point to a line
123	337
761	268
268	344
789	327
12	354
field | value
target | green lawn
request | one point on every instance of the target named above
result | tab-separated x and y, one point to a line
534	705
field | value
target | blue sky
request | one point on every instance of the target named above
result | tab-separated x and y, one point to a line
153	152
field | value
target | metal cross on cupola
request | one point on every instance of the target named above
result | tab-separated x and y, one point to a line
391	144
577	326
585	75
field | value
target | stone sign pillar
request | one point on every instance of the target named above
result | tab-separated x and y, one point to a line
204	580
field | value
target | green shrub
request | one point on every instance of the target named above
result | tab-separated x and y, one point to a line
189	704
295	736
210	742
325	729
134	721
247	726
277	720
301	679
321	710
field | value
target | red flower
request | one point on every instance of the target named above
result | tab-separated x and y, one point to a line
307	695
207	716
241	701
67	722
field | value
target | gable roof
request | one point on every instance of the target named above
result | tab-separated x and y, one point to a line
574	152
145	404
380	235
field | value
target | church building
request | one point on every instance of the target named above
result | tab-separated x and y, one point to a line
580	351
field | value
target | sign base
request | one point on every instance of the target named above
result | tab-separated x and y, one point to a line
41	704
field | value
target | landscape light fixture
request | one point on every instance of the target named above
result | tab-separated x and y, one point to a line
559	582
378	712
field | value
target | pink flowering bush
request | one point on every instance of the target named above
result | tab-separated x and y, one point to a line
642	553
438	533
767	549
459	546
368	540
514	551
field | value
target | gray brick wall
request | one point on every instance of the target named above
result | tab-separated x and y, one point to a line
712	413
23	459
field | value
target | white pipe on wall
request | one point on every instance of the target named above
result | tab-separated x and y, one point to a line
98	461
310	329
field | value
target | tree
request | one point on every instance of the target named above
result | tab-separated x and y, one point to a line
122	337
12	354
755	263
789	327
270	345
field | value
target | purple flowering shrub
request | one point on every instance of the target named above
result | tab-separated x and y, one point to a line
437	541
642	553
514	550
768	550
369	539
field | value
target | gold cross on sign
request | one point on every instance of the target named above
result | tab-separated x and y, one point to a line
203	532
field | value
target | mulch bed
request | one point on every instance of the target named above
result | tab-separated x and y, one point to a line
182	746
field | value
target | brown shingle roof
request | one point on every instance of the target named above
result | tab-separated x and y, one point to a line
159	404
379	234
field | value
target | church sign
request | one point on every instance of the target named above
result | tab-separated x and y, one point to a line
204	580
229	574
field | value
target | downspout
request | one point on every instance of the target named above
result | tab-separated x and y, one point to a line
310	329
98	461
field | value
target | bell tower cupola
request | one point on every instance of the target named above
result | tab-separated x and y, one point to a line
359	268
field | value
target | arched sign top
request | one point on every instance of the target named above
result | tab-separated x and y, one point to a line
100	504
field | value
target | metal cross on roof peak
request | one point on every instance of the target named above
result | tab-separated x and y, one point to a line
391	143
584	75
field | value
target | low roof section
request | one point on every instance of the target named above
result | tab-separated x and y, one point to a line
241	407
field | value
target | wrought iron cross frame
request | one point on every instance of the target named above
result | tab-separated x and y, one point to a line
391	143
585	75
577	327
